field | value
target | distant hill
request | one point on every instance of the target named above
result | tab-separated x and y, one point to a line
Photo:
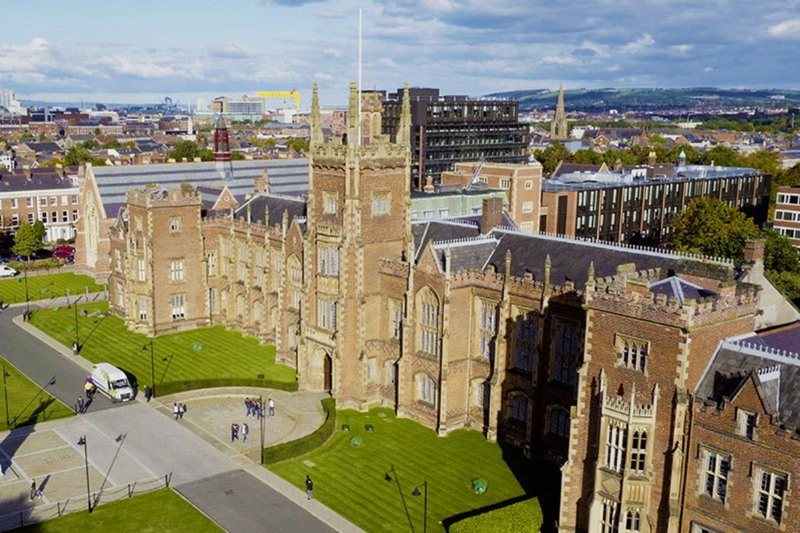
595	100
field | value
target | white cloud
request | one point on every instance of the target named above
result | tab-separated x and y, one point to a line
228	51
681	48
323	76
332	52
786	29
386	62
708	69
140	68
639	45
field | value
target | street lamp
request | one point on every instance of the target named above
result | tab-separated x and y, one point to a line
77	337
261	424
5	393
152	368
82	442
416	492
27	298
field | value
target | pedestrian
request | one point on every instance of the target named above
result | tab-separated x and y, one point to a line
234	431
271	407
81	405
147	393
33	489
75	349
88	386
181	410
245	431
309	488
248	404
175	410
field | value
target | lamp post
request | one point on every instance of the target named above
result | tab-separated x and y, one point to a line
416	492
82	442
261	424
152	368
77	336
5	394
27	298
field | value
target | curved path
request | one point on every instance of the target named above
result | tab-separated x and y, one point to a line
137	441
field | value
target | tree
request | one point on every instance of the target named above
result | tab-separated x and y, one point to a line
712	228
189	150
763	160
90	144
39	231
25	241
77	155
237	156
587	157
298	145
551	156
721	156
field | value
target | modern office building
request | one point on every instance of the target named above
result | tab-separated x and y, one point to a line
787	212
449	129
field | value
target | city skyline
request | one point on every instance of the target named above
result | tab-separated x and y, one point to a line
88	52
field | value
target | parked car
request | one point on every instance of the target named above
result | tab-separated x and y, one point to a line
7	272
65	248
64	255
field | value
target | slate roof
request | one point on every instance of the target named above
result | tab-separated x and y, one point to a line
570	258
44	147
286	176
674	286
277	205
43	178
569	168
739	360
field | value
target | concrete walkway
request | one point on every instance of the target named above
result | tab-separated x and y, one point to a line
140	441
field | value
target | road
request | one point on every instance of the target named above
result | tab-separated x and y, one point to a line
155	445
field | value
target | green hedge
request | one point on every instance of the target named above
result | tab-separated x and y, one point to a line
289	450
171	387
524	516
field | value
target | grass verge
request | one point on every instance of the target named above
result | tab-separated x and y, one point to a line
371	484
196	355
12	290
154	512
27	402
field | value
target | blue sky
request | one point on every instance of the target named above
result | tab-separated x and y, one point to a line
144	50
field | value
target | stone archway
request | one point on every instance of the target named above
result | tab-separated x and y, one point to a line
319	375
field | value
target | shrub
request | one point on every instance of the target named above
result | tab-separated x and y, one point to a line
521	516
303	445
172	387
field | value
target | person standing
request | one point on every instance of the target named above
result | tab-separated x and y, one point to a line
33	489
234	431
245	431
81	406
175	410
75	349
248	405
181	410
271	407
309	487
147	393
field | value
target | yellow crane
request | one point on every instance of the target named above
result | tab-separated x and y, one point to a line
294	93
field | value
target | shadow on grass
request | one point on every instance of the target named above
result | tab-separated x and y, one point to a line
96	325
539	479
41	408
391	475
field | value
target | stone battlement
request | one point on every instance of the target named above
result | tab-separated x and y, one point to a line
157	196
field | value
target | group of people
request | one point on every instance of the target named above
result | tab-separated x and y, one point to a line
253	407
245	429
178	410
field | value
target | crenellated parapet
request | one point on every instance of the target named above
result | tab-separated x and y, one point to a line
486	278
376	155
157	196
631	300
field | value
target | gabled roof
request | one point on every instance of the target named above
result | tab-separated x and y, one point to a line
439	230
296	207
776	375
48	147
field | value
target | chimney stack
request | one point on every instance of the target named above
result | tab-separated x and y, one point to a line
754	250
492	214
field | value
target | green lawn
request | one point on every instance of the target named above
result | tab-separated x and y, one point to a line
202	353
12	290
27	403
352	480
155	512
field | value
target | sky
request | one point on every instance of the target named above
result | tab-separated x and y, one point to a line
136	52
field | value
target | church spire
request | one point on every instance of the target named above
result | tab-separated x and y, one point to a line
316	128
404	131
558	129
222	150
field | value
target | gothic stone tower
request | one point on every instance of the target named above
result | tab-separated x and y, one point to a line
358	213
558	128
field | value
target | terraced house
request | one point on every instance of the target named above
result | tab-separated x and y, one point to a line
605	358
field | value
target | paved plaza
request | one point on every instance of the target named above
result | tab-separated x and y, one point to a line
139	446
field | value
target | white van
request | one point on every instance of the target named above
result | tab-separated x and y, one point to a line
112	382
7	272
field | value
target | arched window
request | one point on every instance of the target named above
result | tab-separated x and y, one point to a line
428	321
240	305
638	452
519	409
426	389
559	422
632	522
